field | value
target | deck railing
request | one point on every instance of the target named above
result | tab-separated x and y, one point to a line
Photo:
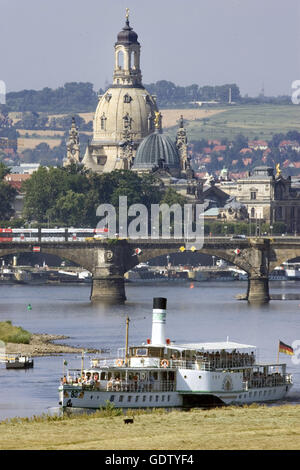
196	364
272	380
126	386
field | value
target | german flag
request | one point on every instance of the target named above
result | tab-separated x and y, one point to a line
285	348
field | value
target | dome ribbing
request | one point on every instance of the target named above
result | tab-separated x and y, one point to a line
156	150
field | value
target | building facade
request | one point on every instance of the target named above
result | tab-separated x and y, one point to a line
268	197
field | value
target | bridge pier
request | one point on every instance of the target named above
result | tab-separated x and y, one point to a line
258	275
108	289
258	290
108	284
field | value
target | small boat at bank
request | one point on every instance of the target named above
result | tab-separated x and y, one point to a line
19	362
162	373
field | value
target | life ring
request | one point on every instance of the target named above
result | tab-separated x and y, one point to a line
119	362
164	363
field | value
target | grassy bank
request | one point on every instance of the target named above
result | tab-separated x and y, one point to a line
256	121
251	427
13	334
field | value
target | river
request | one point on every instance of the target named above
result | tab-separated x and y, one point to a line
203	311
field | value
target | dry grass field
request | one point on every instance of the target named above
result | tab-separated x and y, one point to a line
31	143
41	133
86	116
254	121
170	117
233	428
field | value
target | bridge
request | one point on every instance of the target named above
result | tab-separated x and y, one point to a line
109	259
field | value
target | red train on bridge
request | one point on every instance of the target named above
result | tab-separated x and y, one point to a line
50	234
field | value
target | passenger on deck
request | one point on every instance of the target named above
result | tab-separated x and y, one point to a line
117	384
110	384
88	378
151	382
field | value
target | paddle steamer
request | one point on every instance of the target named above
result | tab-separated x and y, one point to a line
162	373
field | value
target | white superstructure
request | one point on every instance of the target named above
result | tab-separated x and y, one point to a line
292	271
161	373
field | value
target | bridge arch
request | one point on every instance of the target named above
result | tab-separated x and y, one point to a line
280	256
78	256
27	258
232	258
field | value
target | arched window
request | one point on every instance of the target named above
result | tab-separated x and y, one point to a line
279	213
150	122
279	191
127	121
103	122
132	60
127	98
121	59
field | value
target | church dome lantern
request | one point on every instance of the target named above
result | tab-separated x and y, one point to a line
127	35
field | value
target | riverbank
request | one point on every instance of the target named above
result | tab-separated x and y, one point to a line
43	345
234	428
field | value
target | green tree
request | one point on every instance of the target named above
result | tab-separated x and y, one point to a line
7	195
69	210
171	197
42	191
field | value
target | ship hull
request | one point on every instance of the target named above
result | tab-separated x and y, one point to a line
19	365
74	397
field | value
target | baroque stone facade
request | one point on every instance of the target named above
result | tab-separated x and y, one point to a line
73	146
268	197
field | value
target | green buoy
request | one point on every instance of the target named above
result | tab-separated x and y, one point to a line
29	307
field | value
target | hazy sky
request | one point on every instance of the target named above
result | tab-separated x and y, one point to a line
208	42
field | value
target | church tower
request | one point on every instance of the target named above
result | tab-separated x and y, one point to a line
125	113
127	57
73	146
181	144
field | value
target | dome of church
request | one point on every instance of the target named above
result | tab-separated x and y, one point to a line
122	109
157	150
127	35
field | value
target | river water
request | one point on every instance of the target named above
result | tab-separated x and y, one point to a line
203	311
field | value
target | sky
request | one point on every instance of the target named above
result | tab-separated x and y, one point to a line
253	43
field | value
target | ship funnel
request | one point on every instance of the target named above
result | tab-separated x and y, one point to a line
159	321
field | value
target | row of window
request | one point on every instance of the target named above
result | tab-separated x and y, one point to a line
259	393
279	212
136	398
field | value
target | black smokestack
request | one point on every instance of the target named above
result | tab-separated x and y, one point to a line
160	303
